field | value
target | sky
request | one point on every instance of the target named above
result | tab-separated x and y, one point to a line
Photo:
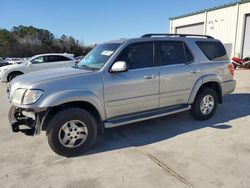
96	21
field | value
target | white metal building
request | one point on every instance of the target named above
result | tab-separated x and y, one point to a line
229	23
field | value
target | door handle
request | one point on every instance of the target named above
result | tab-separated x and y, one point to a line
147	77
195	71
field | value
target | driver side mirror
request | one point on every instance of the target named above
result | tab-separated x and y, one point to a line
29	64
119	66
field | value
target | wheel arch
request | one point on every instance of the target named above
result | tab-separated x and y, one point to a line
214	85
209	81
80	104
13	72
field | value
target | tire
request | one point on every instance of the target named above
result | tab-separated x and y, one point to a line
247	65
13	75
62	125
196	109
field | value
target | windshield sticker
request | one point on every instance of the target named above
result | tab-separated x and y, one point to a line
107	53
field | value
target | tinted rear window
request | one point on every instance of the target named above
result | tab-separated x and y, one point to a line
214	51
63	58
56	58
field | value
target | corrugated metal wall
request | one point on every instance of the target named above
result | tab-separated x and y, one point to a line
226	24
244	9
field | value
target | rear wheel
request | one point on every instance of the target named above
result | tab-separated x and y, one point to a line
247	65
205	104
13	75
71	132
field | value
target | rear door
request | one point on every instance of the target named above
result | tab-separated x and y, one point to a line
178	72
137	89
66	61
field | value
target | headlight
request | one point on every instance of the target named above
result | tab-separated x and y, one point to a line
3	70
23	96
18	96
31	96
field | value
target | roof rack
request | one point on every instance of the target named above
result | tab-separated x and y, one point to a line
176	35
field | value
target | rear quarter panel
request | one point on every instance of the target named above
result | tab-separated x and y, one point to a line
211	71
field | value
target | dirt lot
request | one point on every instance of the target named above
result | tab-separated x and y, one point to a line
174	151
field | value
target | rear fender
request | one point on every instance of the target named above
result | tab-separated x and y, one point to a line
202	80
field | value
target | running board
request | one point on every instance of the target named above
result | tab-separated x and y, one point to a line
115	122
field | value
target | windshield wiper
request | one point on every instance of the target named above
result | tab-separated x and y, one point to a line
87	67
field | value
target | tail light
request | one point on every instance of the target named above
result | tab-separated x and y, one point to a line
231	68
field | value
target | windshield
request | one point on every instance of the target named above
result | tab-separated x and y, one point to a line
97	57
29	59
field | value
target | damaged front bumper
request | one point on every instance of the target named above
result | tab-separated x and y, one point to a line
27	121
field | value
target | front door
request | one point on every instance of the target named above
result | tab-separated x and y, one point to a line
37	64
137	89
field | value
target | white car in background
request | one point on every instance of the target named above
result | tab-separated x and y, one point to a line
37	63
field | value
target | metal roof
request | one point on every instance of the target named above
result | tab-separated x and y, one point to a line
211	9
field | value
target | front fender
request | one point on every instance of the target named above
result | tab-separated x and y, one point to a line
202	80
8	72
5	74
63	97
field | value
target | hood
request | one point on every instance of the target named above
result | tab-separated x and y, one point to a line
26	80
11	66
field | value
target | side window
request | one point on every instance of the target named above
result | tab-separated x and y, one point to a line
52	58
174	52
139	55
214	51
38	60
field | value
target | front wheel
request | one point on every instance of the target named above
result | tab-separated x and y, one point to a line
71	132
205	104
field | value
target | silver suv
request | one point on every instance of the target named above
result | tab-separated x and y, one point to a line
121	82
